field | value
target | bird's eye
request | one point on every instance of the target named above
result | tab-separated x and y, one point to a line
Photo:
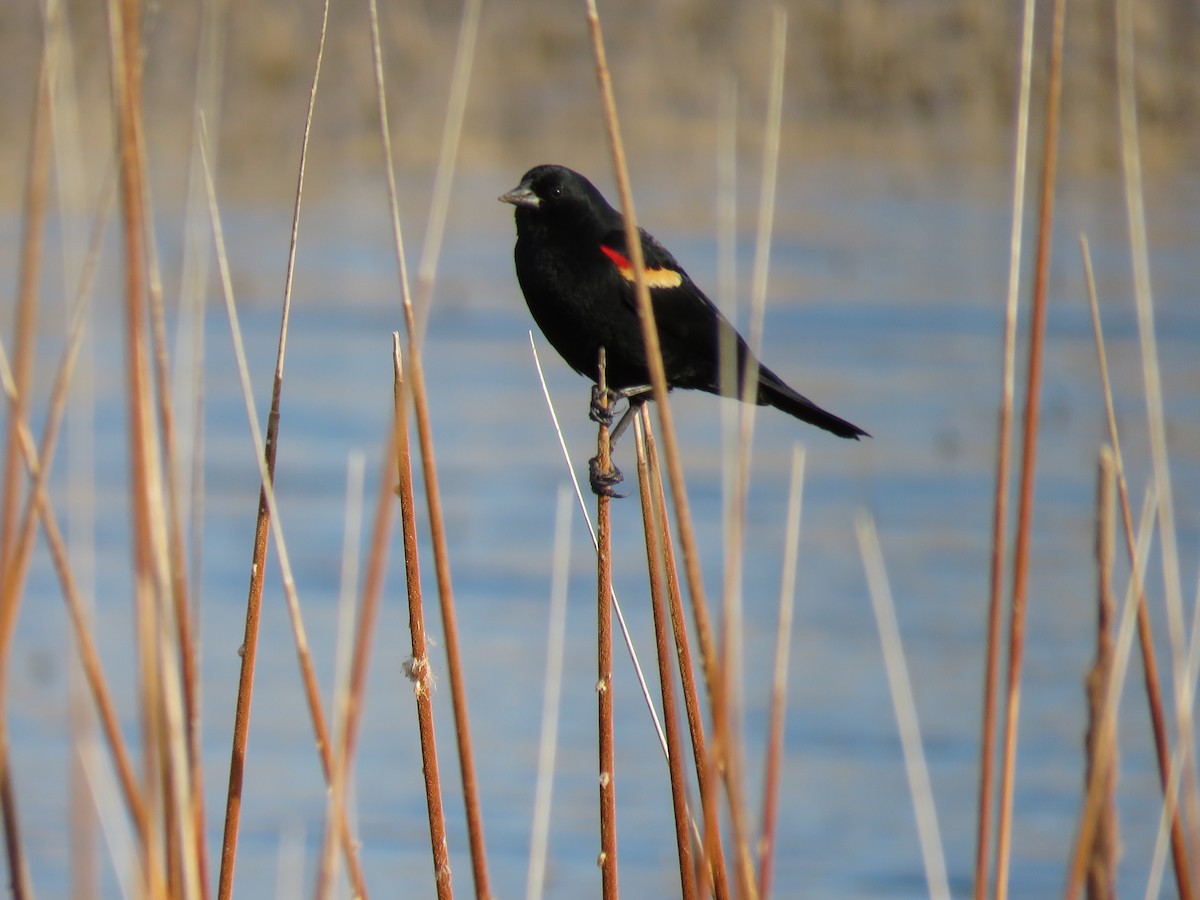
556	191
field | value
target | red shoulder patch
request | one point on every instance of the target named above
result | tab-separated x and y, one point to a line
655	278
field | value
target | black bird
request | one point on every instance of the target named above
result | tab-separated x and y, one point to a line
574	268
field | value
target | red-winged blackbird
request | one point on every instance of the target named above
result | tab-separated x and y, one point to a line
574	269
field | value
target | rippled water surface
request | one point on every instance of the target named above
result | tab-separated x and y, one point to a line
885	305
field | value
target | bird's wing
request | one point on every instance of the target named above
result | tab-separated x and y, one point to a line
662	271
681	309
689	323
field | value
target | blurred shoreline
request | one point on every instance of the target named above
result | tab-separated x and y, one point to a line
927	81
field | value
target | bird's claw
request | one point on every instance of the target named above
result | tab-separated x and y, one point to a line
603	481
600	410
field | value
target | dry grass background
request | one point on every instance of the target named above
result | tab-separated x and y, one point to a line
930	80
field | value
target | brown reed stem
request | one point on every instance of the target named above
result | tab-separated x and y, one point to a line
249	648
249	656
416	374
441	561
1102	859
1095	792
396	458
691	558
417	668
33	214
193	284
639	673
126	57
1150	677
312	691
1020	582
654	355
1003	478
710	861
604	685
33	221
654	526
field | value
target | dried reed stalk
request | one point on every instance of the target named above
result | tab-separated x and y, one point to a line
604	685
249	647
39	507
37	174
460	79
144	462
38	464
351	699
1150	677
1033	387
270	522
1135	207
710	860
656	531
583	508
418	667
1090	814
708	647
1102	861
184	642
1004	429
33	220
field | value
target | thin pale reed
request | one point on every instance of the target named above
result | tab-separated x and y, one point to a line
1135	205
933	853
539	839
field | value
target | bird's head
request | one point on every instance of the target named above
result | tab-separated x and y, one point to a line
556	194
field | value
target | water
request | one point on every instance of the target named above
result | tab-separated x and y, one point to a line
886	295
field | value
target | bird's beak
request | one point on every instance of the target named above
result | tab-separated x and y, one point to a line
521	195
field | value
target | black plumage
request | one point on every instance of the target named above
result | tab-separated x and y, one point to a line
573	266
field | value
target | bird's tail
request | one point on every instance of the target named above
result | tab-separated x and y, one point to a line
773	392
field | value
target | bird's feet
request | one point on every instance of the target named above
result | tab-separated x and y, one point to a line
603	481
601	409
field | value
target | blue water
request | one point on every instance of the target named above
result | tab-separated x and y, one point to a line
885	306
